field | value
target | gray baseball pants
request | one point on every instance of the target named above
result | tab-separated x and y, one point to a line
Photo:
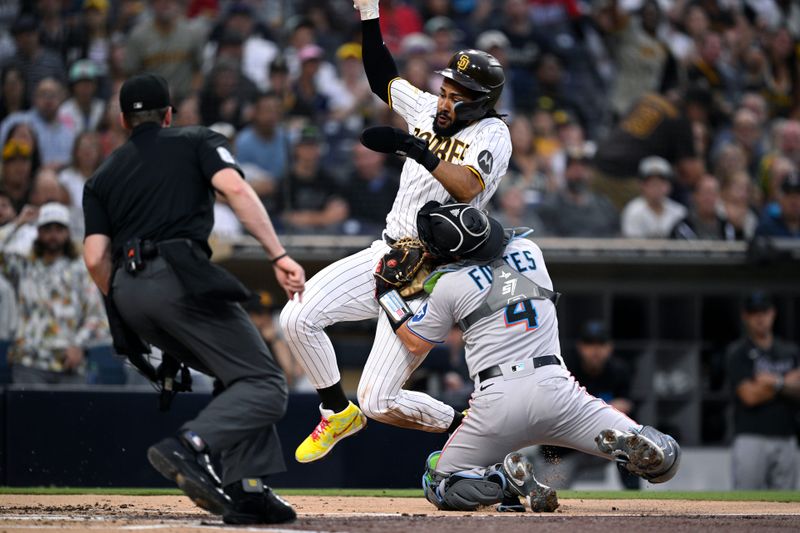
542	405
764	462
217	338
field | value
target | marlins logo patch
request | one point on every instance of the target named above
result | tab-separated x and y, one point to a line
485	161
463	62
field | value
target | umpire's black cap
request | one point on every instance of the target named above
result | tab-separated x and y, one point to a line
144	92
459	231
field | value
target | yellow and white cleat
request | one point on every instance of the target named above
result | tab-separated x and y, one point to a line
332	428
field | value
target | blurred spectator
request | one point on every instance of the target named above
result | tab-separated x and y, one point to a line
35	61
652	215
496	43
309	102
53	28
225	94
17	171
261	308
729	160
514	212
764	375
86	157
55	137
785	222
705	219
708	72
524	42
167	45
644	63
576	211
8	298
747	134
524	166
308	198
188	112
258	51
786	145
442	30
265	143
371	190
604	376
14	97
90	38
397	20
354	81
550	93
737	204
280	83
654	126
782	74
61	314
83	111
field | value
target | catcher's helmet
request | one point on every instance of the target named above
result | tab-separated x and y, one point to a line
459	231
479	72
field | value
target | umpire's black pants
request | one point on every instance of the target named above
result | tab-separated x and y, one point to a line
217	338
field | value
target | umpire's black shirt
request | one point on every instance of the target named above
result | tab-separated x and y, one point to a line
157	186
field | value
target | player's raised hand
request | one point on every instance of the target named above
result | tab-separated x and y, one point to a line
367	8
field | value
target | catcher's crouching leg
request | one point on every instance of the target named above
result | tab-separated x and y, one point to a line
647	452
462	491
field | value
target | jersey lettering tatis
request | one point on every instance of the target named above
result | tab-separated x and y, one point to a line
447	149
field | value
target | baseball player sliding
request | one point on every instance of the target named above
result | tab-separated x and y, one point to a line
497	290
456	148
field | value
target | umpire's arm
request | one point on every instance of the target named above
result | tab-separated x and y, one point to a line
250	211
97	256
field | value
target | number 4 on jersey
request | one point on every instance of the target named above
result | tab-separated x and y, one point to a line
522	312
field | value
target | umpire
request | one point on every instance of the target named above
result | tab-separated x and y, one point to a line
149	212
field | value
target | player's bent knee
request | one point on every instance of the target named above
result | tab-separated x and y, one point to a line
372	405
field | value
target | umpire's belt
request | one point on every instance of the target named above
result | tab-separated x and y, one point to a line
494	371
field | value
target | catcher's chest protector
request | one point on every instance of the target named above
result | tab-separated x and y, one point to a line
508	286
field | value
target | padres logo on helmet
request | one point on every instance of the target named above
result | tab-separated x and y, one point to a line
480	73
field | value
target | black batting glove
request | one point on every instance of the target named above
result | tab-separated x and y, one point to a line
416	149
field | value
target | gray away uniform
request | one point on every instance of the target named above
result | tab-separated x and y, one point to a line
526	405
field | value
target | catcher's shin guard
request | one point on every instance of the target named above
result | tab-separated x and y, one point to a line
461	491
646	452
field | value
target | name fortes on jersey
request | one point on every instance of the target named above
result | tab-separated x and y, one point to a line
447	149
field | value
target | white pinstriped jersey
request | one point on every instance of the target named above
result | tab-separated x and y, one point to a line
484	147
521	330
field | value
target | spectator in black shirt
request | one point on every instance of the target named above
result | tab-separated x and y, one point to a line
605	377
706	220
371	190
764	374
784	222
35	61
309	199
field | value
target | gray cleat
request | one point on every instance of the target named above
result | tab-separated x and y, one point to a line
647	452
519	473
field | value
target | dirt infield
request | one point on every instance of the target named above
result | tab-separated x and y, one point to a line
96	513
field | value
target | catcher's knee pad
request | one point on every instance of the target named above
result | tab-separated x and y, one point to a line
672	455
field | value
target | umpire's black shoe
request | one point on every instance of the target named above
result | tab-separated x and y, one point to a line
255	503
184	460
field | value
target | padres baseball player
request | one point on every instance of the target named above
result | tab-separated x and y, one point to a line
457	148
498	291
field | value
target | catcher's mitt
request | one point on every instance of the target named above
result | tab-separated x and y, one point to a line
403	268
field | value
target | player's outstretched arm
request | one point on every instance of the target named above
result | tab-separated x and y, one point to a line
379	64
462	182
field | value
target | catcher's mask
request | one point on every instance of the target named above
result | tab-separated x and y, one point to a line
459	231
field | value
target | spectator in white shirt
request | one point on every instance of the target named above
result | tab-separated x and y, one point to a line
652	214
83	111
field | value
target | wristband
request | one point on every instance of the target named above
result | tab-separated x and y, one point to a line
278	257
368	12
429	160
396	308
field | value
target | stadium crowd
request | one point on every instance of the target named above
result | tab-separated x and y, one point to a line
668	118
